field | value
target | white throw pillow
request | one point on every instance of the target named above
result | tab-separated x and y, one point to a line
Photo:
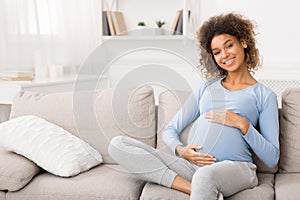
48	145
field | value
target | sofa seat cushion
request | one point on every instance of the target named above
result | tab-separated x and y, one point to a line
157	192
263	191
15	170
287	186
103	182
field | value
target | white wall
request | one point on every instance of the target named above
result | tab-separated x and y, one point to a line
278	27
149	11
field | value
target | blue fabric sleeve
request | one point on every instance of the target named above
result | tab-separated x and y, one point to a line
187	114
266	143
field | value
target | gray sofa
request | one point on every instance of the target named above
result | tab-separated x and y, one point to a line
133	113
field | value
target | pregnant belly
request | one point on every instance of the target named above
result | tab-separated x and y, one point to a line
223	142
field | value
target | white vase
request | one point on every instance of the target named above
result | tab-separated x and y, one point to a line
159	31
140	31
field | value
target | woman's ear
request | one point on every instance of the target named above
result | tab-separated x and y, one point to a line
244	44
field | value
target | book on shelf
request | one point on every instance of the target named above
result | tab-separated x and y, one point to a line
177	16
110	23
113	23
105	25
179	26
119	22
17	75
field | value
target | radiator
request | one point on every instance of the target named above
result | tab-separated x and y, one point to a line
278	86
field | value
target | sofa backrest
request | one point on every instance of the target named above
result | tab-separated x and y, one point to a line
290	131
169	103
95	117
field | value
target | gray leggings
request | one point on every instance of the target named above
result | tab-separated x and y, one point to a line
150	164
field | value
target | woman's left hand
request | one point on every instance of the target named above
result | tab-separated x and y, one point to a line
228	118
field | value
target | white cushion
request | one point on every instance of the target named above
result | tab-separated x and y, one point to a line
48	145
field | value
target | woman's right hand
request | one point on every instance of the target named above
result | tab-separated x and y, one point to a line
189	152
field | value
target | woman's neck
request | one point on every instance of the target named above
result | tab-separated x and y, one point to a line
238	81
240	78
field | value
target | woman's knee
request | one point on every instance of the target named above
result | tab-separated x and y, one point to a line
203	177
115	146
117	140
203	184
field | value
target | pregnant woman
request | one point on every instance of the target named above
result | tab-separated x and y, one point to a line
225	111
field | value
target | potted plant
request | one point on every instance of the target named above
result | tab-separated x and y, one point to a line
141	24
159	24
141	28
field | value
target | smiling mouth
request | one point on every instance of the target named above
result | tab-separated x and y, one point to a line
228	62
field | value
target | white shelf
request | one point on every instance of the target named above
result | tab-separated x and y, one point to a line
49	81
8	89
135	37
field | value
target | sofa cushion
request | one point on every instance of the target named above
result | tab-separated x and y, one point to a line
102	182
289	127
158	192
96	117
49	146
263	191
287	186
15	170
169	103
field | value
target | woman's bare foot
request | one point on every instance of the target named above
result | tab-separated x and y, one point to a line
182	185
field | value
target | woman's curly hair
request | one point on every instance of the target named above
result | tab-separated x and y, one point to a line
235	25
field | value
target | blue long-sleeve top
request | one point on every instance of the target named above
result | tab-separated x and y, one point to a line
256	103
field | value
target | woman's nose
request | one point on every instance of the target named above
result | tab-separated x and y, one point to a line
224	53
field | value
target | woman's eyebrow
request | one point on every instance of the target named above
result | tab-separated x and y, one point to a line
229	40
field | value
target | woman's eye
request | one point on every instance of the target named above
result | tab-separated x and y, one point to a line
229	46
216	53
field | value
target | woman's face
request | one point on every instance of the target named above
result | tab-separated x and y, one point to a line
228	52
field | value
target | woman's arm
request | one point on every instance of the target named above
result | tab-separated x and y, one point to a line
266	143
186	115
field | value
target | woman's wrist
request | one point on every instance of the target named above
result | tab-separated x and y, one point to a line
244	127
178	150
